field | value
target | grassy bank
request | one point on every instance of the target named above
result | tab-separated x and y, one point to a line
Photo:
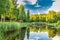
10	30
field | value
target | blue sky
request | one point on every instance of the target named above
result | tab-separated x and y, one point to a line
41	6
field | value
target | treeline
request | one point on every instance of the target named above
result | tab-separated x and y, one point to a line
55	17
50	17
10	12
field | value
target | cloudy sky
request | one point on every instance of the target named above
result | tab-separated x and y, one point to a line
41	6
55	6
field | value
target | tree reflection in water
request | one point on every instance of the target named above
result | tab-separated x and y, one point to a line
52	31
20	33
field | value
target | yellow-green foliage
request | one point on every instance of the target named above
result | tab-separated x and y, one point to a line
47	16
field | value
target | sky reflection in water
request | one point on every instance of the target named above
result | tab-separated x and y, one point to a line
38	36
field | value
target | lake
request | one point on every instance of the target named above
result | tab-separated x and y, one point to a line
42	34
30	32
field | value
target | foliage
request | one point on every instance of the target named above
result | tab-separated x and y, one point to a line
52	33
4	6
11	30
28	16
42	19
52	21
22	14
58	31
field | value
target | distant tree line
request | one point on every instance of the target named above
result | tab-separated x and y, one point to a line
55	17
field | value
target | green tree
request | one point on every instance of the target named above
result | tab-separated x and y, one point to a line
57	16
28	16
22	14
42	19
52	21
4	7
37	19
14	10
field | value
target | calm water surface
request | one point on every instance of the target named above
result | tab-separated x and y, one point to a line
38	36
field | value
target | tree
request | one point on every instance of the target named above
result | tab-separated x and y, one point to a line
52	21
37	19
42	19
4	7
28	16
57	16
16	13
14	10
22	14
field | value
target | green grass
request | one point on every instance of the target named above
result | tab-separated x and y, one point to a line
11	25
5	26
8	25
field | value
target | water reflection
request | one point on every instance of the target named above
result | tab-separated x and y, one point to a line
56	38
34	32
39	36
39	33
43	33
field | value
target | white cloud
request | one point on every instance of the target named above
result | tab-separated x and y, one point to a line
32	1
56	6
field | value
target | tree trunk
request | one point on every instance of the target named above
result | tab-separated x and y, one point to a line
4	19
11	18
1	19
